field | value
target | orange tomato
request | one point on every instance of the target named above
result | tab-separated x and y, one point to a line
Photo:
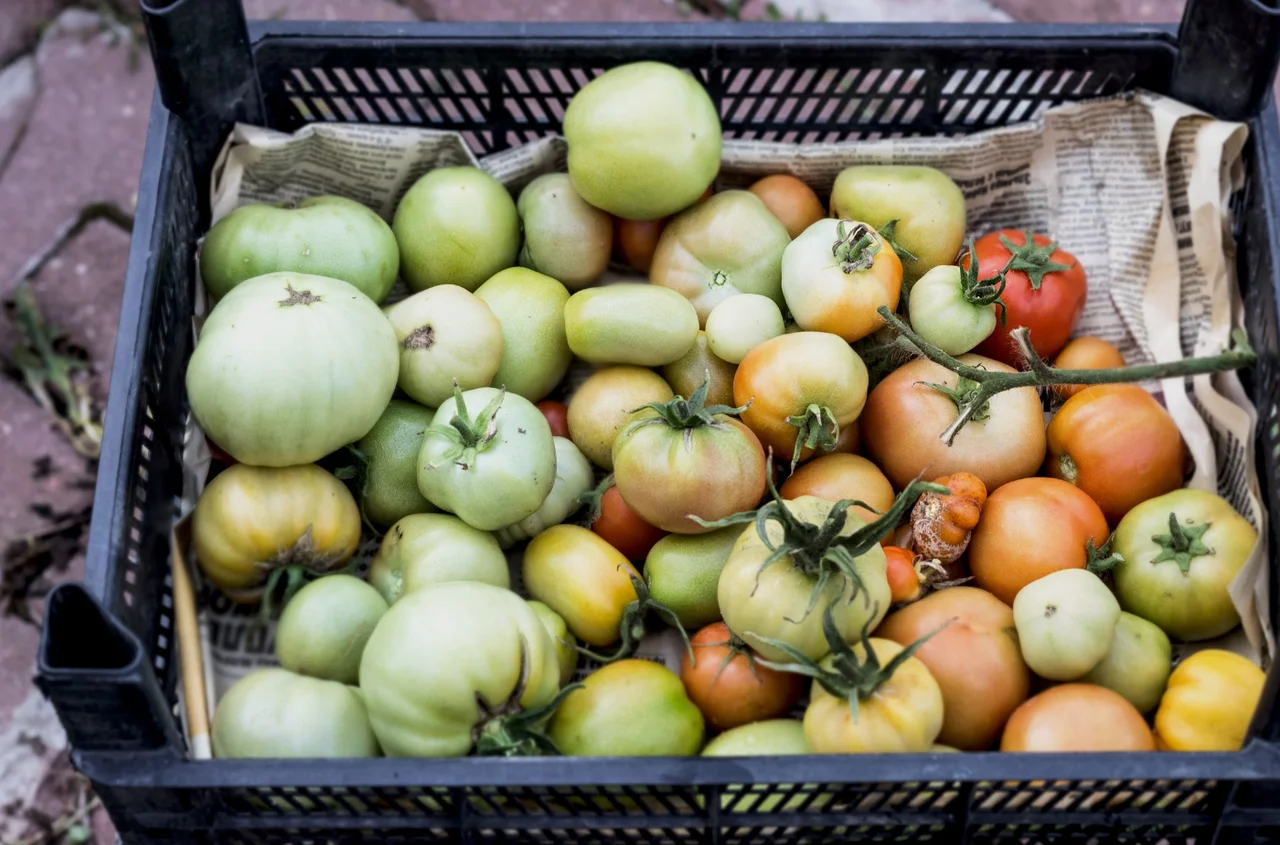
842	476
1030	528
975	660
792	201
638	239
557	414
1077	717
619	525
905	584
1118	444
941	524
1085	353
727	684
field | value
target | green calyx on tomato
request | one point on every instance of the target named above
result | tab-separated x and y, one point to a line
855	249
736	646
817	429
694	412
508	730
470	437
887	232
631	629
1182	543
1104	558
965	392
1035	261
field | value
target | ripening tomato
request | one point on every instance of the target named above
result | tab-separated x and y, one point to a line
792	201
905	582
1045	290
1085	353
842	476
729	686
623	528
1077	717
637	240
557	414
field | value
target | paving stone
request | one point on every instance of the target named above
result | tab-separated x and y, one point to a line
20	20
17	97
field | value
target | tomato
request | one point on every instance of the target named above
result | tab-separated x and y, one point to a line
1137	664
905	581
564	236
275	713
390	486
604	403
951	308
687	462
1118	444
488	457
632	708
1077	717
1066	623
574	477
581	577
557	414
449	664
975	659
727	245
621	528
842	476
290	367
925	207
905	417
325	236
942	525
455	226
1045	290
1210	701
325	625
696	366
535	350
741	323
795	407
1181	552
790	200
562	639
767	738
637	240
1030	528
683	570
250	521
446	336
724	680
651	158
838	288
630	323
431	548
1085	353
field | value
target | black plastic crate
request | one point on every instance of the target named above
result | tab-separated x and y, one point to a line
106	656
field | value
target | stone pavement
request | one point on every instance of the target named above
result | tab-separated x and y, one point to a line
75	89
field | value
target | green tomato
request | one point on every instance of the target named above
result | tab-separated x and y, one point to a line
630	323
275	713
928	206
683	571
1181	552
741	323
644	140
1138	663
447	663
390	490
535	351
291	367
325	625
497	473
322	236
561	637
767	738
942	314
631	708
447	336
432	548
455	226
695	367
564	236
1066	622
574	476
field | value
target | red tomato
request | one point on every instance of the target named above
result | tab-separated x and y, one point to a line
557	414
1045	291
729	686
622	529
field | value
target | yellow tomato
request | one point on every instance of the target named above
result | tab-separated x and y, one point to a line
581	577
1209	702
250	520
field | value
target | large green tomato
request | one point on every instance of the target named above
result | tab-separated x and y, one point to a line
1066	622
488	457
574	476
448	662
683	570
762	739
535	350
564	236
1181	552
325	625
447	336
951	312
566	644
291	367
390	450
1138	663
275	713
455	226
630	323
322	236
431	548
644	141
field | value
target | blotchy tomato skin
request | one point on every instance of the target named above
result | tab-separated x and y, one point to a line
1077	717
727	687
826	295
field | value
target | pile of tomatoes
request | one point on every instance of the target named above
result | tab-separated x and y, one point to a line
776	452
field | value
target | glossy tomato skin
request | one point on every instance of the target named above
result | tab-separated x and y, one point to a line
729	686
623	529
1209	702
1085	353
974	658
1066	623
1030	528
790	200
1118	444
636	240
904	580
1077	717
431	548
841	475
904	420
557	414
1050	312
582	578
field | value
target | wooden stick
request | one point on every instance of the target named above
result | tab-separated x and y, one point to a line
190	651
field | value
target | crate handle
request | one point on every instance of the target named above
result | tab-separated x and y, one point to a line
1227	56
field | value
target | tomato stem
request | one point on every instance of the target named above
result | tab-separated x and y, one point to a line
594	499
1101	559
1182	543
507	729
469	436
888	231
991	383
1035	261
855	249
818	429
631	629
681	413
